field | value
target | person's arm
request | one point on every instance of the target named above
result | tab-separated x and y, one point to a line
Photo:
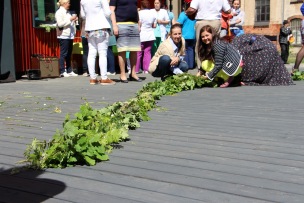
106	8
167	19
285	31
226	7
139	21
63	19
82	13
219	53
242	18
190	11
181	18
113	19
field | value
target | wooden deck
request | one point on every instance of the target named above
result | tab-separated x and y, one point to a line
243	144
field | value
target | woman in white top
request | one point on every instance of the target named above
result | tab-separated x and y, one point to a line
147	21
66	23
160	31
98	30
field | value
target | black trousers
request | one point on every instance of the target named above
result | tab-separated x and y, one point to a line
284	52
85	49
66	48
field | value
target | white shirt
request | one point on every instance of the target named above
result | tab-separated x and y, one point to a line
162	14
96	13
240	16
63	20
209	9
146	18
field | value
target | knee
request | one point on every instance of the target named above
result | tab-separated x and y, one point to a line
183	66
165	59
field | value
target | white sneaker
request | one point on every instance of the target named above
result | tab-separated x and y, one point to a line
109	73
72	74
85	74
65	74
146	72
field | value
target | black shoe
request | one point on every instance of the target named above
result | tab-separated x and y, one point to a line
123	81
134	79
4	76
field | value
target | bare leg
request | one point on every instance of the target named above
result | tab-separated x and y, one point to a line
133	58
122	65
299	59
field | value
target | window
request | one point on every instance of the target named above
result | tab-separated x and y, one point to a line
295	25
262	12
44	11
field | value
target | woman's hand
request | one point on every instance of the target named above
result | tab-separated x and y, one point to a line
205	77
174	61
73	18
115	30
199	73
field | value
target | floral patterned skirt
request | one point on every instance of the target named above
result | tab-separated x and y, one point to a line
262	63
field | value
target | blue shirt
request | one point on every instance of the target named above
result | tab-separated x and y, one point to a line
188	29
302	9
171	16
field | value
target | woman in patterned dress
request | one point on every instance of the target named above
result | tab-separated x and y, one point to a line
262	63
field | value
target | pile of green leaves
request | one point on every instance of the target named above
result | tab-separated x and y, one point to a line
298	75
91	135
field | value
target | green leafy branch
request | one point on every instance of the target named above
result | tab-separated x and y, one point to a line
47	27
90	136
298	75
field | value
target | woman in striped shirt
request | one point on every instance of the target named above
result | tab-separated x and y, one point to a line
220	60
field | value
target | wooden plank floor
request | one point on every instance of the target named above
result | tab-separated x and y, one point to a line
243	144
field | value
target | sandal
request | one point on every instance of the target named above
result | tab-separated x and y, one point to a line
293	71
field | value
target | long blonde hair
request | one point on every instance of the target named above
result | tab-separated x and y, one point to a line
61	2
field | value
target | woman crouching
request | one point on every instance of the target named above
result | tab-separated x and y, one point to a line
168	59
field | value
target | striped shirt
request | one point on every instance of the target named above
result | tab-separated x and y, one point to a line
225	57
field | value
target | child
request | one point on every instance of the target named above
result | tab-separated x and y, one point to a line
236	23
220	60
225	30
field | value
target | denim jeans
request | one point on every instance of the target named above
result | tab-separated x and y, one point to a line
189	57
98	44
66	48
85	49
111	60
164	66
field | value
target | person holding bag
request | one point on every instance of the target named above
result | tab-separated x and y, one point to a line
66	32
285	32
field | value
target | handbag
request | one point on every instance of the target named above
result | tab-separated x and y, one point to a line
58	30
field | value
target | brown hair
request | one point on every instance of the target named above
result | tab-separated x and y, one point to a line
145	4
204	50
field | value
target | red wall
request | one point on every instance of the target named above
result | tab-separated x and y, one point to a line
29	40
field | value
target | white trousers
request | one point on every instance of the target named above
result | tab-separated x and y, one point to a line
98	43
